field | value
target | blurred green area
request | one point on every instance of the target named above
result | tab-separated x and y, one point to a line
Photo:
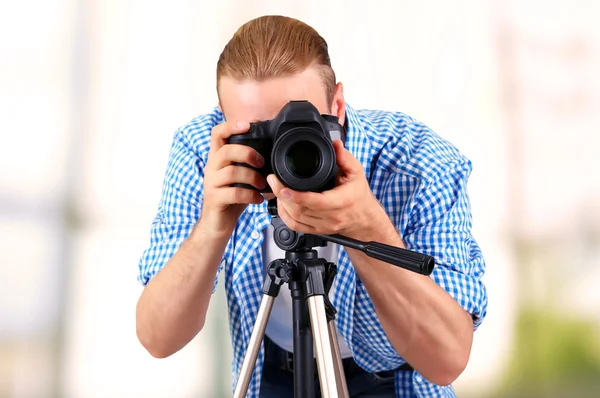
555	353
553	356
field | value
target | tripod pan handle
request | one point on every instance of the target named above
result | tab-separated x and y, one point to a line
413	261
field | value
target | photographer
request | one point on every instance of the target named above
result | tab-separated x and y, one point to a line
400	333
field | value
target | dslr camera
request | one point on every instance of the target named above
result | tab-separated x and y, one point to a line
297	147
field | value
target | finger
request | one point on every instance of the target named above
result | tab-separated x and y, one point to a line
316	201
275	184
302	214
290	222
236	153
235	195
310	216
310	221
221	132
281	191
239	175
334	199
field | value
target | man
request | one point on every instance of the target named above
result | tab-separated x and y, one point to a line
401	333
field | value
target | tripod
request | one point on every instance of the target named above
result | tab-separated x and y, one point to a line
310	278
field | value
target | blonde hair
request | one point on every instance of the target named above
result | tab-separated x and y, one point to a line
276	46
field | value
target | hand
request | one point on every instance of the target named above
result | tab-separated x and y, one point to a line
223	204
349	209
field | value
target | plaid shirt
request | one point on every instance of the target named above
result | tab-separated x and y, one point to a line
418	177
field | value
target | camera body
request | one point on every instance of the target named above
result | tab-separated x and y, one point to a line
297	147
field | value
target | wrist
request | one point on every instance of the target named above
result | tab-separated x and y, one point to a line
376	225
214	226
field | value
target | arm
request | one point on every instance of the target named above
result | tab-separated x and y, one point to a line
172	307
426	319
425	325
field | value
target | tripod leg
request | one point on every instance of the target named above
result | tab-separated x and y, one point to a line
325	363
340	377
256	338
304	385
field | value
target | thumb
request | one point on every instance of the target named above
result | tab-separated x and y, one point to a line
347	163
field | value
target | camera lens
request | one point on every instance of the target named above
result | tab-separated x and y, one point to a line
303	159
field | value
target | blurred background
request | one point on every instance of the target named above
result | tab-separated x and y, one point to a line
91	93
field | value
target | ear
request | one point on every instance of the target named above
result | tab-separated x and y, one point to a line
221	110
338	106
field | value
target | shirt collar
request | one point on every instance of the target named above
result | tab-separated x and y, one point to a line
356	138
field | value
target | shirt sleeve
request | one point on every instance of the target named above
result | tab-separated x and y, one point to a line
440	225
178	210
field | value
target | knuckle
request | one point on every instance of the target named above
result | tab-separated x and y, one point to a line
226	127
327	231
238	195
217	159
250	155
218	131
301	210
291	224
244	174
246	195
335	225
247	175
208	196
230	172
300	203
293	211
214	132
337	219
240	154
225	151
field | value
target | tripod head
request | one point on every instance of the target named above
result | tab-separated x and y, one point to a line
292	242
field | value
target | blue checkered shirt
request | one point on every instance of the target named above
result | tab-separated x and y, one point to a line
418	177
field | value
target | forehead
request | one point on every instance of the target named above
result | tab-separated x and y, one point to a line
250	100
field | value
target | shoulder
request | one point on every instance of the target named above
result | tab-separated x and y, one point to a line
195	134
406	146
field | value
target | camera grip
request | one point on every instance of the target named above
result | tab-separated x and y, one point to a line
248	186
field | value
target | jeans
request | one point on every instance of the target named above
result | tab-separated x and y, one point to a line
279	383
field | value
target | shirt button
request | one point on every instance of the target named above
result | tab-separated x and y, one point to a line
255	235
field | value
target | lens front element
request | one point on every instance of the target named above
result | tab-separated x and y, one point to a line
303	159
